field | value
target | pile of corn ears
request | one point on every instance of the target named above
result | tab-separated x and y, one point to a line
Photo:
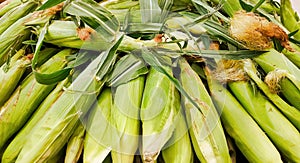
149	81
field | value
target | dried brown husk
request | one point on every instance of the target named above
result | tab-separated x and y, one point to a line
256	32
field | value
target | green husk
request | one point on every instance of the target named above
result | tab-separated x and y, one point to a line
178	22
12	151
119	4
179	147
63	34
8	5
160	107
239	125
96	17
15	14
288	18
125	118
266	5
45	55
279	61
63	116
289	111
206	132
126	69
10	44
68	126
229	6
293	56
280	130
12	38
99	130
10	78
27	98
16	67
75	145
291	94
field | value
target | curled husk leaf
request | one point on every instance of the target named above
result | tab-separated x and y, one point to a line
256	32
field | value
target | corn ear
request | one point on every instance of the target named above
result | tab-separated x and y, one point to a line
12	151
54	146
63	33
12	37
71	105
17	66
248	136
8	5
279	61
57	123
63	130
126	119
97	140
75	145
160	106
27	98
289	111
288	17
10	78
269	119
206	131
16	13
293	56
179	148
